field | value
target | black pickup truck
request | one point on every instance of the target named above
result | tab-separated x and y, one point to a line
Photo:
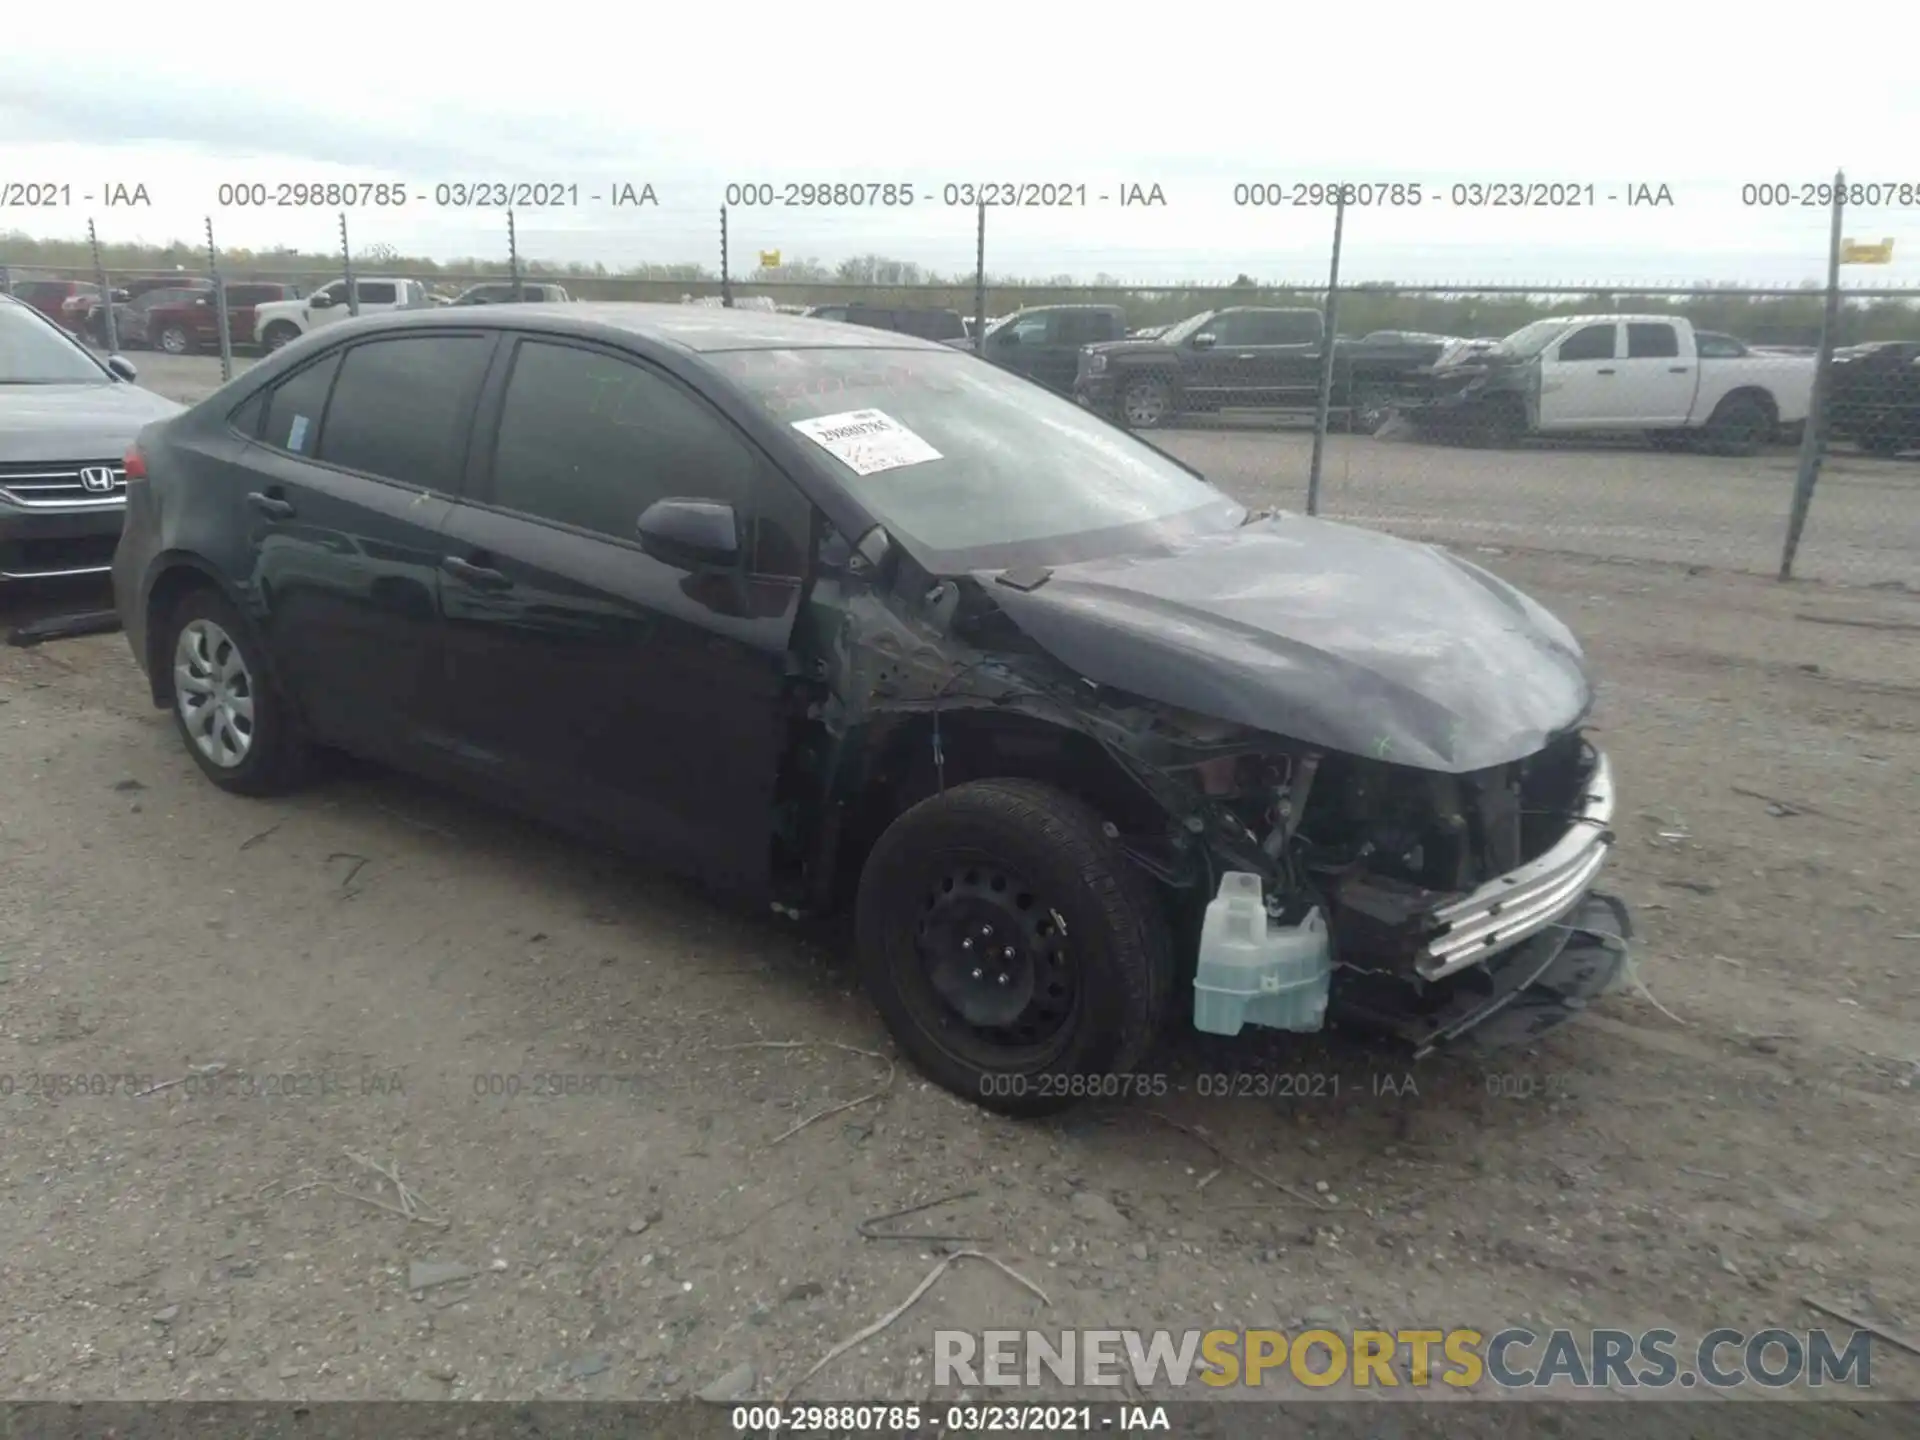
1874	396
1246	356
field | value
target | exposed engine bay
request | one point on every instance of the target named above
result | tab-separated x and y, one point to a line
1420	898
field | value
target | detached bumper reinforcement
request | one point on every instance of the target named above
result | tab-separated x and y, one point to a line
1523	902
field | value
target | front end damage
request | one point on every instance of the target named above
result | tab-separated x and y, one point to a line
1306	883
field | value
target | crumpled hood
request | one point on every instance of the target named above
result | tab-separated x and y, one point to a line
1325	633
75	422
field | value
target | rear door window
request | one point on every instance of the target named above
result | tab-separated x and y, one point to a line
377	292
400	408
1655	340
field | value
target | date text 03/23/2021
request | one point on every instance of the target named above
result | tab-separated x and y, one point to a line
962	1419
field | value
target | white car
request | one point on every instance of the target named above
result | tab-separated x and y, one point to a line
279	322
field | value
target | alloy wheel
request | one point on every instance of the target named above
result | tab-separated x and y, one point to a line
1146	404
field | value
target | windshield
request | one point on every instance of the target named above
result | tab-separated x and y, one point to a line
972	465
32	352
1177	334
1530	340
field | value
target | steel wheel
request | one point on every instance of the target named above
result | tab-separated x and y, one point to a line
1013	878
173	340
214	692
1001	986
1147	404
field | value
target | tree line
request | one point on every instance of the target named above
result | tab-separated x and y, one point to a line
1792	319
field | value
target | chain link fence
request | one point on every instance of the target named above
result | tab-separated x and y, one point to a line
1760	428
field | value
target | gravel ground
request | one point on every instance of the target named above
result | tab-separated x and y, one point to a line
592	1078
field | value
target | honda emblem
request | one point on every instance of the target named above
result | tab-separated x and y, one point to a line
98	479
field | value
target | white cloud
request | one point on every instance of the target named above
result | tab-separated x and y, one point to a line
690	99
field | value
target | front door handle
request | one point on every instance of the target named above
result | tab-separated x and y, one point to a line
1246	357
271	506
1676	370
1603	372
478	576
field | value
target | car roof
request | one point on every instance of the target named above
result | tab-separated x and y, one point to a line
694	328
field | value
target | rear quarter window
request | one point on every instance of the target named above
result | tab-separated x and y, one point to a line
296	405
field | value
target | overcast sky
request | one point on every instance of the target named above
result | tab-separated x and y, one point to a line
689	99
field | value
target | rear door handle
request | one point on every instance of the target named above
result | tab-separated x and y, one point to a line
1246	357
270	505
478	576
1603	372
1676	370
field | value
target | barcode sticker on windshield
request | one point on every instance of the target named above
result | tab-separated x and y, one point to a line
867	441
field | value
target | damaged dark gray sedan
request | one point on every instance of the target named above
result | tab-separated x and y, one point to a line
830	618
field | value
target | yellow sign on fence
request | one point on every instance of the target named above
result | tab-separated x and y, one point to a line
1864	252
771	258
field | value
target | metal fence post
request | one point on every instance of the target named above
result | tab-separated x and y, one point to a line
513	255
726	277
106	292
980	281
346	263
1813	438
221	317
1327	345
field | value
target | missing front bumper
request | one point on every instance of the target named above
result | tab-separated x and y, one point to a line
1536	986
1516	906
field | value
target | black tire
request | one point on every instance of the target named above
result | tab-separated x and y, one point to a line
1147	402
1885	441
174	340
1074	1023
1497	423
1368	408
1739	425
277	334
277	755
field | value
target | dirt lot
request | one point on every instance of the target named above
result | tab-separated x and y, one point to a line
593	1078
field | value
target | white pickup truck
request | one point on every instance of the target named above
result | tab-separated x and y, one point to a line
1575	374
280	321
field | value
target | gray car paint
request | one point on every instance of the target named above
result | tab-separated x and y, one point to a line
75	422
1325	633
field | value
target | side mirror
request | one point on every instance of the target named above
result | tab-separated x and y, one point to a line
1205	340
123	367
321	302
691	534
122	296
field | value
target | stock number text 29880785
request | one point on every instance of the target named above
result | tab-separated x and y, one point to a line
900	194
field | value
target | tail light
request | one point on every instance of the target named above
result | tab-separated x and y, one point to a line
135	465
